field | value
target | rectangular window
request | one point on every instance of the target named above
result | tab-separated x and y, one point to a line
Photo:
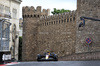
7	10
14	13
1	8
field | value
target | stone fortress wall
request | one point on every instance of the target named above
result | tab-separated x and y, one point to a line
59	33
44	32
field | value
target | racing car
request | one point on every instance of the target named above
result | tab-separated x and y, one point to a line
47	57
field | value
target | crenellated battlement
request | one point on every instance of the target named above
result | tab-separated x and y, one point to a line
44	19
66	14
29	12
58	18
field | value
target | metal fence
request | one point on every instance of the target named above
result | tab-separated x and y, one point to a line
4	34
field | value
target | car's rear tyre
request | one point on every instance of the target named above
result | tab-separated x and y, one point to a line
56	59
38	57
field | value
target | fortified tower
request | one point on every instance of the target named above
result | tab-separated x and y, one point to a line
90	9
31	18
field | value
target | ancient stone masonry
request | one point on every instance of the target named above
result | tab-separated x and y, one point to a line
42	32
31	17
60	33
29	12
57	32
88	8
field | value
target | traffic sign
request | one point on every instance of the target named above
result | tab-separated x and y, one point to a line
88	40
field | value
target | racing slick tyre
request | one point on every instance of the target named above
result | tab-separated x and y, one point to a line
38	57
55	57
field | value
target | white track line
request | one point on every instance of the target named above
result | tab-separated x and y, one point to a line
12	63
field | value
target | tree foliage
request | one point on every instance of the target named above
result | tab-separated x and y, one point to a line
20	48
57	11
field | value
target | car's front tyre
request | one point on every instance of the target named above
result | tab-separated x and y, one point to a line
55	57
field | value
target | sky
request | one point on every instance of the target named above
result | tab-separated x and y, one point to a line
49	4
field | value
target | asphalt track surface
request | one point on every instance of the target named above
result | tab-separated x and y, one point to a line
57	63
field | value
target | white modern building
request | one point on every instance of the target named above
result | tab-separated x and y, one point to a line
20	26
12	7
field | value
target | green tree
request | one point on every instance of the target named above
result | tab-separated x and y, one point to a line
57	11
20	48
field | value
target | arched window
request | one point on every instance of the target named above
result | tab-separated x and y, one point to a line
31	16
47	23
59	21
54	22
67	20
64	20
70	19
38	15
51	22
27	15
34	15
73	18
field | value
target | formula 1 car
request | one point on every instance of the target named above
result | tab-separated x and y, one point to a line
47	57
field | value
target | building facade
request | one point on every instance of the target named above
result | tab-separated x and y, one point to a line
11	7
20	26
